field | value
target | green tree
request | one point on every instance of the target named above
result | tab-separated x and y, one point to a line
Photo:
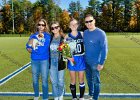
137	14
72	7
92	4
95	7
4	2
27	14
79	7
75	9
116	13
21	13
52	11
127	14
106	17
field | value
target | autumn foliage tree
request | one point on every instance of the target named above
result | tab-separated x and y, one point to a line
6	18
137	14
65	19
110	15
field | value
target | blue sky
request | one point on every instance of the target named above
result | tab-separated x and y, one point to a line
64	4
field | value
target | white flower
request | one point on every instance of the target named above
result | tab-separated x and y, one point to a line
35	43
72	46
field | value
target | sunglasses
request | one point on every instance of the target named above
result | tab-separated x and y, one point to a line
41	25
88	21
53	28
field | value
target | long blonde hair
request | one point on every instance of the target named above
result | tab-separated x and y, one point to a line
46	25
60	31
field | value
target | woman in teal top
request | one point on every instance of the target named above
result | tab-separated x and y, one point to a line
57	65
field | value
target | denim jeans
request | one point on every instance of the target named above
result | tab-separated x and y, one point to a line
57	79
40	68
93	80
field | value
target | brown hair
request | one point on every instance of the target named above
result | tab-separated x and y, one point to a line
89	15
72	19
46	25
60	31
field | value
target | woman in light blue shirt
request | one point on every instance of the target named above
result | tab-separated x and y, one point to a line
57	65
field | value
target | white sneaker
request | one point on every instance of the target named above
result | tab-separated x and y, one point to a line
88	97
56	98
81	99
36	98
60	98
74	99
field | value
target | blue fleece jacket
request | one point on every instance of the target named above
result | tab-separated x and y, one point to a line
96	46
42	51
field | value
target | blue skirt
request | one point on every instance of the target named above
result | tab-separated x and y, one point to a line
79	64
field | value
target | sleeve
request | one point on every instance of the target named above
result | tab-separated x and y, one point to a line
104	48
29	46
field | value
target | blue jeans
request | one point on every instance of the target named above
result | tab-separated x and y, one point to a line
57	79
93	80
40	67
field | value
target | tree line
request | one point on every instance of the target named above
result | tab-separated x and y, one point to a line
110	15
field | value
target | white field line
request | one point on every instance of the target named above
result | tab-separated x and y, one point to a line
10	76
107	95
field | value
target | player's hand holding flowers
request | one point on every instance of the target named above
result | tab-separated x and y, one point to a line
67	48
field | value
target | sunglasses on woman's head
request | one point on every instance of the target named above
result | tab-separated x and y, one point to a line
41	25
53	28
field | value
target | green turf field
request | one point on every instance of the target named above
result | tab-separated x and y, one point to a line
120	74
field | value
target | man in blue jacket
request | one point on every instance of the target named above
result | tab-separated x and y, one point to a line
96	48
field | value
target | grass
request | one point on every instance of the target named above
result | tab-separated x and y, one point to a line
12	53
120	73
15	35
121	66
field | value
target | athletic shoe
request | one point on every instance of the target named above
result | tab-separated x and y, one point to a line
36	98
81	99
74	99
61	97
88	97
56	98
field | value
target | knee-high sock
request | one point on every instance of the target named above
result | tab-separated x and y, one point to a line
82	89
73	90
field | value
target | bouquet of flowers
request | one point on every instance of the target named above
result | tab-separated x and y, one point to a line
67	48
